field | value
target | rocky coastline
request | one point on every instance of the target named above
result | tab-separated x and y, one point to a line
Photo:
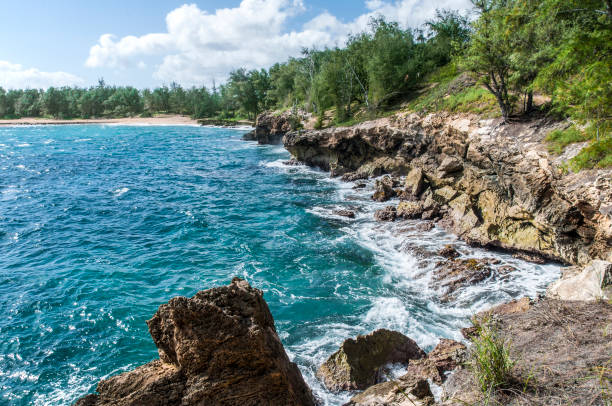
493	185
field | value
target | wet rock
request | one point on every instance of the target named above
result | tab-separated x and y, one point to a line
506	269
384	189
344	213
450	165
586	284
447	356
425	226
453	274
353	176
449	252
389	213
405	391
292	162
359	362
359	186
219	347
410	210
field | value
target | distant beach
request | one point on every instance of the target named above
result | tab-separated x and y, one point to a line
167	119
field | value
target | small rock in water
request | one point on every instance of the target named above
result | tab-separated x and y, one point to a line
449	252
453	274
359	186
410	210
292	162
387	214
384	189
425	226
344	213
353	176
359	362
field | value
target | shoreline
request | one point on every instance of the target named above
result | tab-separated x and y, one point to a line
169	119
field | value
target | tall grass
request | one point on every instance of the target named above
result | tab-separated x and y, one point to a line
491	363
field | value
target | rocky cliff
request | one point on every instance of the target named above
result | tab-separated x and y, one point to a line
219	347
493	184
270	127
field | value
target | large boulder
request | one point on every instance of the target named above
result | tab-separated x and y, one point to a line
359	362
270	127
414	183
405	391
384	189
219	347
587	283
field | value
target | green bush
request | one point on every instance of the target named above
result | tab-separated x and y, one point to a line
491	363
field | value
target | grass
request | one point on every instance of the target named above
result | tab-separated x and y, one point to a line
447	90
559	139
596	155
491	363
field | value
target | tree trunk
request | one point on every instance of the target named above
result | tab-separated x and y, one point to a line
529	106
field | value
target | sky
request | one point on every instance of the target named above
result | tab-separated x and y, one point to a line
148	43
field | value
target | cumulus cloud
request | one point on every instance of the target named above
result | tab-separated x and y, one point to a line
199	46
15	76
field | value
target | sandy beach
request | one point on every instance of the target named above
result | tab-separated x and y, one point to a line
166	119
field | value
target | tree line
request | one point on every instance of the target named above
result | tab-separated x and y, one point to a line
515	48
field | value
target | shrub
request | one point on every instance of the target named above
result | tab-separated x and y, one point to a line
559	139
597	154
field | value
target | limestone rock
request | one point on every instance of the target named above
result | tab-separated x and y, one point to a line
405	391
447	356
586	284
344	213
413	185
450	165
271	127
410	210
389	213
219	347
384	189
359	362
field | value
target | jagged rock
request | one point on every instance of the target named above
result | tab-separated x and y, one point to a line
447	356
414	183
425	226
292	162
405	391
510	192
270	127
583	284
344	213
359	362
219	347
359	186
449	252
410	210
450	165
444	194
384	189
453	274
389	213
353	176
529	257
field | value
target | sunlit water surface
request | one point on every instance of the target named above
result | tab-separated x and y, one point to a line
99	225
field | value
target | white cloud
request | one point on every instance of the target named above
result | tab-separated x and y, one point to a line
199	46
15	76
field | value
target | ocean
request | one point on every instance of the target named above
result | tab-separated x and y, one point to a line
100	224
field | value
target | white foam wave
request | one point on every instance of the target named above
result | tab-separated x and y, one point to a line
120	191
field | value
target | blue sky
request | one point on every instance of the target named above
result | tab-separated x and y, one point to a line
148	43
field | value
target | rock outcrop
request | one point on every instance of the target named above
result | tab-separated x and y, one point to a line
495	184
270	127
219	347
589	283
359	363
560	350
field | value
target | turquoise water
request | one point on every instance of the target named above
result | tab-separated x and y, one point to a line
99	225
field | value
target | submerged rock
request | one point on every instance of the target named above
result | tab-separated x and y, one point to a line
344	213
359	362
219	347
453	274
